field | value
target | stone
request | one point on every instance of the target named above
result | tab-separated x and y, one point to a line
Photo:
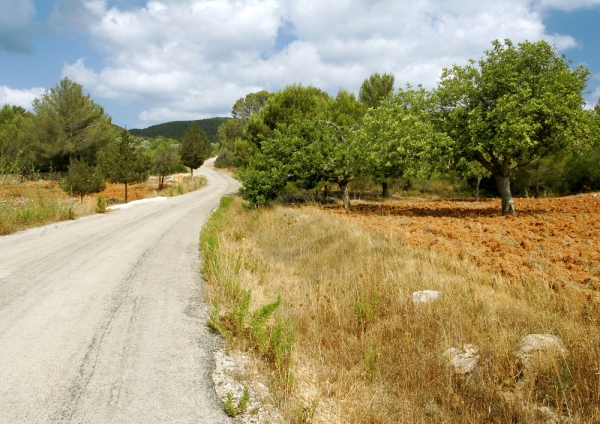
541	352
463	361
425	296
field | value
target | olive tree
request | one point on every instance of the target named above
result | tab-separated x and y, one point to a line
517	105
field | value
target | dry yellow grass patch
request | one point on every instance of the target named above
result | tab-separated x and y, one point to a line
365	353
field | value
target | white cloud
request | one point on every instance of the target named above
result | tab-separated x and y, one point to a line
184	59
21	98
567	5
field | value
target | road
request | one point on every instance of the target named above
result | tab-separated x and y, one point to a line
102	320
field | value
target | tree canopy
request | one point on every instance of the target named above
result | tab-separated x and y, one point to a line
250	105
376	89
69	124
195	148
520	104
122	163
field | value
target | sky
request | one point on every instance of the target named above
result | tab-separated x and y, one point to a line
149	62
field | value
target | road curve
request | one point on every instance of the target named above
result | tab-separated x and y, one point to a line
101	319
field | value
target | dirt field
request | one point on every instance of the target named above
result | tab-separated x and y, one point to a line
556	240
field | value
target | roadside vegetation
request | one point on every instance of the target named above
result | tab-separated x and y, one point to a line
69	147
512	123
364	351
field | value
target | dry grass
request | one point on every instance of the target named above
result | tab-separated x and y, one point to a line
31	204
34	203
367	354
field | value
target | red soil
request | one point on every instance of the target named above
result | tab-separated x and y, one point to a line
553	240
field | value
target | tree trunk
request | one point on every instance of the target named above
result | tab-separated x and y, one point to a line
125	192
345	195
192	172
385	192
503	183
477	189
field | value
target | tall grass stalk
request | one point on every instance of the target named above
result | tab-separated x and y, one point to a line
336	276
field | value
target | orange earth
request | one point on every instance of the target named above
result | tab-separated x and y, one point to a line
553	240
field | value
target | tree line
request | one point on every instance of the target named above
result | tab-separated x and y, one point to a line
516	116
69	133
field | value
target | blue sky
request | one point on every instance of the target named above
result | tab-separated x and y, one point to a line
149	62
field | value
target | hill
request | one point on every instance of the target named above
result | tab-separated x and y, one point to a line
175	129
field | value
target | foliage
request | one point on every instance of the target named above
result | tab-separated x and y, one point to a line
233	410
229	133
376	89
250	105
399	138
82	180
16	151
194	148
320	144
176	129
123	163
519	105
70	125
164	162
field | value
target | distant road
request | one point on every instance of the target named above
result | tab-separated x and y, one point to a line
101	319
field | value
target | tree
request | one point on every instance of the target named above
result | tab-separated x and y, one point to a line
122	163
228	134
69	124
195	148
16	150
165	160
400	139
376	89
319	146
82	180
250	105
519	105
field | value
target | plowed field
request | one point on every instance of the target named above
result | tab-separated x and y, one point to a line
552	240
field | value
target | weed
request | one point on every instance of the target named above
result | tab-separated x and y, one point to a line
366	310
304	414
233	410
100	205
371	364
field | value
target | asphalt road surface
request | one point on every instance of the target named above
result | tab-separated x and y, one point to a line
101	319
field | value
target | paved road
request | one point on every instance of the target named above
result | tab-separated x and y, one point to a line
101	319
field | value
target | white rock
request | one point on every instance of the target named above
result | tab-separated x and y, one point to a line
464	362
541	351
425	296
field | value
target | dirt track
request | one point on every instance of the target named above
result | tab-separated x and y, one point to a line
556	240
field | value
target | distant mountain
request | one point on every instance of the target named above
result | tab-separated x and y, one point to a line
176	129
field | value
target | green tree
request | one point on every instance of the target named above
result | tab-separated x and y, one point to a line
164	162
519	105
70	125
399	138
195	148
229	133
16	149
285	107
250	105
123	163
376	89
320	146
82	180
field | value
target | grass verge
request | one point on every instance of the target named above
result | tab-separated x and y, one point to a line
25	205
364	352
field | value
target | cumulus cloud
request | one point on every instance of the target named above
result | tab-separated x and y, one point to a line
186	59
17	25
21	98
